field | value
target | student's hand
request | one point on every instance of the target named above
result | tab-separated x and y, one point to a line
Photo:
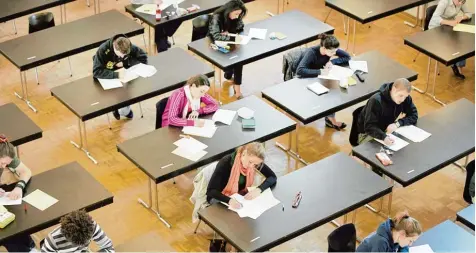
2	192
15	194
121	73
391	128
253	194
453	22
388	141
234	204
199	123
328	65
459	19
119	65
193	115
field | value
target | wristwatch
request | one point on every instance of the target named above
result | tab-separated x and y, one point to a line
397	124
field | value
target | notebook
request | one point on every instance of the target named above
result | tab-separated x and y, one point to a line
317	88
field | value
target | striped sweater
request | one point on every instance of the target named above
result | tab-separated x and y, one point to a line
57	242
174	109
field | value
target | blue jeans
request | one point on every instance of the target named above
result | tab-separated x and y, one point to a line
461	63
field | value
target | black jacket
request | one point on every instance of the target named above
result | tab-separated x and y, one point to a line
380	111
313	61
105	60
217	26
221	175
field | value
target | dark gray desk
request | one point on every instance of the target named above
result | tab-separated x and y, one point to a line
451	139
18	128
330	188
447	237
35	49
443	45
87	99
466	216
152	151
71	185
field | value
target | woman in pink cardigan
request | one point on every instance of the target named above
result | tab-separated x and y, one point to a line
184	105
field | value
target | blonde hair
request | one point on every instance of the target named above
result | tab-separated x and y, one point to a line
123	45
403	83
253	148
403	222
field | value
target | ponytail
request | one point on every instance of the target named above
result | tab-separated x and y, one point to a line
6	148
403	222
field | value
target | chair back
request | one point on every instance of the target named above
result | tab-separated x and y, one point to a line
342	239
429	13
40	21
160	107
354	132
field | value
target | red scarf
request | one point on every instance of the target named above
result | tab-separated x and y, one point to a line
237	170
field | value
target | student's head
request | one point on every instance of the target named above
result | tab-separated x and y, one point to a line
7	152
77	227
329	44
122	46
459	2
401	89
234	9
405	229
252	155
199	86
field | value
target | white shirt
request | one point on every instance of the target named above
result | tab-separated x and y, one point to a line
447	10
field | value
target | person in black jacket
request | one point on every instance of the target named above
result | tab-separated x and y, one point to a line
112	57
381	114
234	173
320	59
228	19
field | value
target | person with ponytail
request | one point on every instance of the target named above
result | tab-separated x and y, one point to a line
13	175
318	60
235	172
184	105
393	235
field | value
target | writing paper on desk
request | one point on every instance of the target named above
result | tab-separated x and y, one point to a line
224	116
464	28
166	3
40	200
108	84
318	88
397	144
337	73
208	130
425	248
129	75
244	40
255	207
358	65
5	201
189	154
143	70
147	9
190	143
413	133
258	33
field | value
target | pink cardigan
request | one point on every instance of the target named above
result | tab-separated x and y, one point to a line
177	101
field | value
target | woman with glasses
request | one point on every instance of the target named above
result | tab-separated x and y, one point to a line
451	12
236	172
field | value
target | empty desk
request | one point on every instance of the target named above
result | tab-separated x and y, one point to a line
447	237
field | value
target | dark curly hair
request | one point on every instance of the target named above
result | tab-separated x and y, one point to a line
77	227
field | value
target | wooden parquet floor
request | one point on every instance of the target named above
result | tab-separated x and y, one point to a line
431	200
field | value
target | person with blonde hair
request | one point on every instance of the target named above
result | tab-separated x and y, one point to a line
235	172
393	235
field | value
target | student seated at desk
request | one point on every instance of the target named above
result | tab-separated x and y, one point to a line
12	170
451	12
382	113
323	57
187	101
228	19
117	53
235	172
75	233
393	235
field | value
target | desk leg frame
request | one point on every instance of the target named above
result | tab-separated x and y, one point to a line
149	206
416	20
289	150
24	90
389	207
83	144
432	95
217	78
463	167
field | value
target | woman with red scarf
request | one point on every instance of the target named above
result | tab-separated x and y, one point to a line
236	172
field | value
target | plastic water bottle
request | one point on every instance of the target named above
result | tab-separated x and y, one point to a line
158	13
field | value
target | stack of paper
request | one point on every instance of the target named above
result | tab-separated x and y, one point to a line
358	65
255	207
258	33
337	73
397	144
244	40
318	88
224	116
413	133
108	84
208	130
464	28
40	200
190	148
143	70
425	248
5	201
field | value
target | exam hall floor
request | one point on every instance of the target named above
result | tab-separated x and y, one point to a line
432	200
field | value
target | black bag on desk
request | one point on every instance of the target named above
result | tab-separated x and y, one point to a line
217	245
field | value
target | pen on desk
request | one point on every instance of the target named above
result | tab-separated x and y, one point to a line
165	166
24	207
283	206
224	203
255	239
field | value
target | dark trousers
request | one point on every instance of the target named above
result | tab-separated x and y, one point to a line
162	34
22	243
236	72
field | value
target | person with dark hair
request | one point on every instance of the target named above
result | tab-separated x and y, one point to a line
164	32
112	57
468	190
322	57
75	233
393	235
14	174
382	113
184	105
226	20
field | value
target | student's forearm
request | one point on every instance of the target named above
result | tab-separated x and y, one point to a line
447	22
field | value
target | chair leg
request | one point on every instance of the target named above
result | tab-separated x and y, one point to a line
196	228
15	26
37	80
327	15
141	112
70	70
416	56
173	41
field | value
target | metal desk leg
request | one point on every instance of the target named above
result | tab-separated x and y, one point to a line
109	121
83	144
24	90
196	228
150	42
141	113
297	146
353	40
390	200
416	21
345	30
148	206
15	26
463	167
156	211
61	14
64	11
328	14
218	81
427	79
425	6
348	34
289	150
434	84
18	151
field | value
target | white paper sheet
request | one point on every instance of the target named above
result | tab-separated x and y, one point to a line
208	130
108	84
413	133
318	88
425	248
5	201
40	200
358	65
129	75
190	143
143	70
339	72
188	154
166	3
246	113
254	208
147	9
224	116
397	145
258	33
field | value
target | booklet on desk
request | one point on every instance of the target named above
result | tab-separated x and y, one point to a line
317	88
